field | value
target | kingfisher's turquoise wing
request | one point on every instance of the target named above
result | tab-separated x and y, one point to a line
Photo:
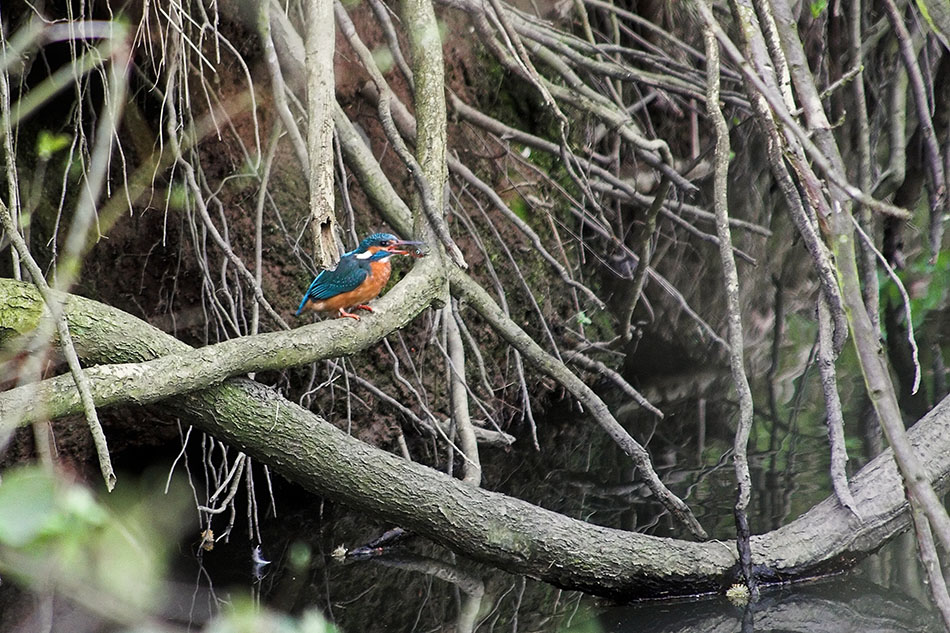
348	275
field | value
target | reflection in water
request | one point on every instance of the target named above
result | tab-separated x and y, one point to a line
839	607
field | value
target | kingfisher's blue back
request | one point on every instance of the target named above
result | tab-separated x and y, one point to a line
348	275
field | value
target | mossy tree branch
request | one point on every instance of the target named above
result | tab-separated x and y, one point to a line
187	369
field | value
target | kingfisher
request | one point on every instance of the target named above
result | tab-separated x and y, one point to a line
359	277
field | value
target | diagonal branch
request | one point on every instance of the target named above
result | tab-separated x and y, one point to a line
192	369
382	195
465	287
77	383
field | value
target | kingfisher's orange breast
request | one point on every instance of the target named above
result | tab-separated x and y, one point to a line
370	288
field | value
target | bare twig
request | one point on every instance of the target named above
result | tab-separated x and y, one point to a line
644	256
192	182
259	222
593	365
459	395
279	87
382	15
835	419
911	339
867	260
6	130
734	318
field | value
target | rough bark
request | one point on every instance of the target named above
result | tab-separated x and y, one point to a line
484	525
320	41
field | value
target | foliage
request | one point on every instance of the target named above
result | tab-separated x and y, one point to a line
57	536
926	282
108	556
244	617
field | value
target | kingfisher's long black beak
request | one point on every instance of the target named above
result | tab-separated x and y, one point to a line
404	247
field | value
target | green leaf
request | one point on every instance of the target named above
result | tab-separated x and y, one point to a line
48	144
79	502
818	7
384	58
583	319
27	506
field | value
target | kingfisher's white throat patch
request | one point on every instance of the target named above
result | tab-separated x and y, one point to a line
364	255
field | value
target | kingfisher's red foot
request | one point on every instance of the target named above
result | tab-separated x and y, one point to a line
344	313
363	306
